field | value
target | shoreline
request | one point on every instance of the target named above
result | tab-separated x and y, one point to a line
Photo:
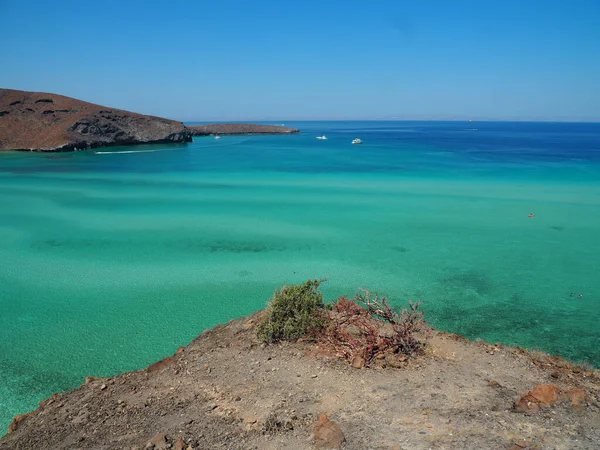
233	129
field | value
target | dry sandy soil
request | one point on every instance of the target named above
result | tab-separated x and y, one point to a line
228	391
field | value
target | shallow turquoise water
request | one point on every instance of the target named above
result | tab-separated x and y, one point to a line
111	261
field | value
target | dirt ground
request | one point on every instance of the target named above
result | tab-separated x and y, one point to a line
228	391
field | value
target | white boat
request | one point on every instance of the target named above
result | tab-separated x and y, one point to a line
356	141
217	137
322	137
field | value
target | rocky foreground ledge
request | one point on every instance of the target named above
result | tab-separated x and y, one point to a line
216	129
226	390
36	121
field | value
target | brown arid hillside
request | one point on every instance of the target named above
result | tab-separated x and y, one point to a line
227	390
36	121
238	128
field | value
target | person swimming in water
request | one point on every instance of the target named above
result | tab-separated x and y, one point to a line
531	215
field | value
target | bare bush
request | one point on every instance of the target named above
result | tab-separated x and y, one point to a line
406	323
357	331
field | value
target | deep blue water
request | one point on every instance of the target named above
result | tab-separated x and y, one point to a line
400	147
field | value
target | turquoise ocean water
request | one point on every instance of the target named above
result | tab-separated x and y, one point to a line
110	260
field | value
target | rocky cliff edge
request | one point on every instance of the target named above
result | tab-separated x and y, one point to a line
226	390
36	121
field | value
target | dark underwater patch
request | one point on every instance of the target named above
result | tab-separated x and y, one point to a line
517	320
74	243
52	243
233	247
475	280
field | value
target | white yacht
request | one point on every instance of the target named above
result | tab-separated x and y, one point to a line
356	141
322	137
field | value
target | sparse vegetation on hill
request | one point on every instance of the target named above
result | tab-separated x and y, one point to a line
292	312
359	330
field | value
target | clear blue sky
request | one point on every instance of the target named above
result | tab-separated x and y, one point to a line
280	60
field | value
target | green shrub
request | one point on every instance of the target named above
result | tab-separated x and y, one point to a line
292	312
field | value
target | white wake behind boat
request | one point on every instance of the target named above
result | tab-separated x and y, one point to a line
322	137
356	141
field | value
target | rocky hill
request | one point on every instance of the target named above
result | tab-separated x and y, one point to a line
239	128
35	121
227	390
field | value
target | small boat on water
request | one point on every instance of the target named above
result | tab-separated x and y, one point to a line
217	137
322	137
356	141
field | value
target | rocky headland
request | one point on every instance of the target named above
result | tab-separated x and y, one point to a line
36	121
228	390
238	128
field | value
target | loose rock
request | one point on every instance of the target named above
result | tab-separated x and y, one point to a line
358	362
327	434
542	396
158	442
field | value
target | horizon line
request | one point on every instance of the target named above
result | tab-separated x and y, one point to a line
216	120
